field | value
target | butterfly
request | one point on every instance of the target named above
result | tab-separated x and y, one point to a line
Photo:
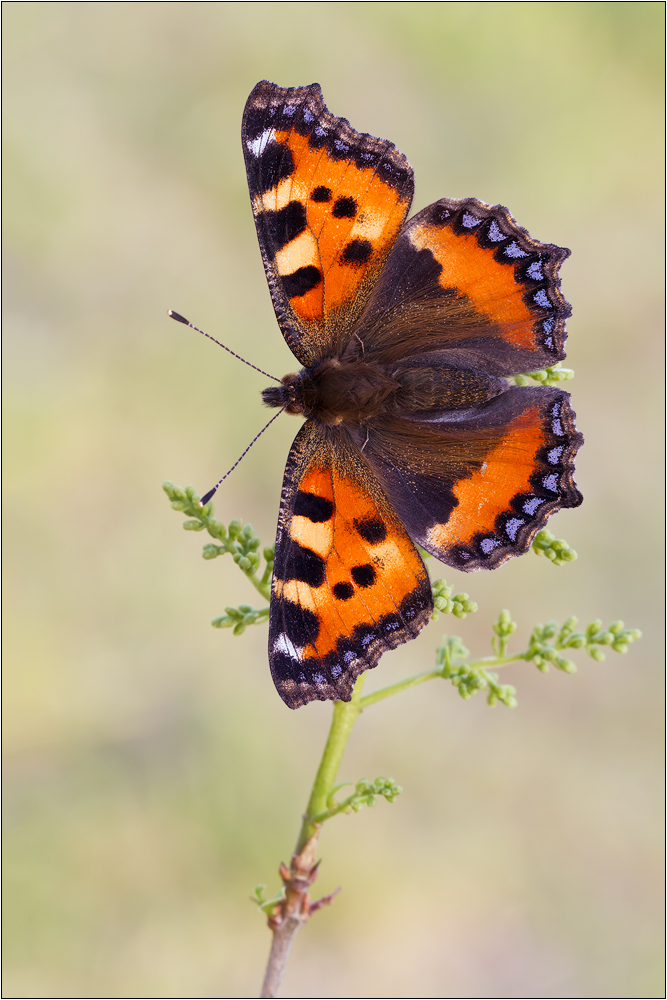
406	333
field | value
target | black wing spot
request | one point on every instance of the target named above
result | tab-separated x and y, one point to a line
344	208
285	224
357	252
317	509
301	564
300	624
302	281
364	576
343	591
321	193
372	530
275	164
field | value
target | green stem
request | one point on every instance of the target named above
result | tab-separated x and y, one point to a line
263	588
344	716
409	682
485	663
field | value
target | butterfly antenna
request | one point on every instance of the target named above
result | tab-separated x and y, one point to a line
207	496
182	319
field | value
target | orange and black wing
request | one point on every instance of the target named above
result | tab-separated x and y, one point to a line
328	203
465	278
473	487
348	584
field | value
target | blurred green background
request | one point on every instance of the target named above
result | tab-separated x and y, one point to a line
153	776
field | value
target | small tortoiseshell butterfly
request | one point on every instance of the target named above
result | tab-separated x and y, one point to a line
406	333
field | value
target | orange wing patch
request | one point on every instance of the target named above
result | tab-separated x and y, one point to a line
352	219
487	493
464	275
348	585
348	220
474	272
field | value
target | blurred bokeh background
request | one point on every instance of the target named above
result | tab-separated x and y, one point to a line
153	776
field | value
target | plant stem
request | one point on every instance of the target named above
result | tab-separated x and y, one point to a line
263	588
344	716
409	682
295	909
485	663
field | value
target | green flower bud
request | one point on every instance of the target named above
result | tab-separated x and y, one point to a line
223	622
193	526
173	492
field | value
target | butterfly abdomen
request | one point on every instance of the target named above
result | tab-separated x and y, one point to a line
425	387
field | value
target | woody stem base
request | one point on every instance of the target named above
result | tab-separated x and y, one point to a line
292	912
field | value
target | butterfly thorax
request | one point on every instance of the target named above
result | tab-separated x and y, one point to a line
357	392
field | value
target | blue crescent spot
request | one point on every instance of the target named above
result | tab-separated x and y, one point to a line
495	233
514	250
512	526
530	506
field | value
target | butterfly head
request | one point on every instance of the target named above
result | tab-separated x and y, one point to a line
288	395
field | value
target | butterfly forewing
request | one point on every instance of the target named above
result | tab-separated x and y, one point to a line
348	583
328	203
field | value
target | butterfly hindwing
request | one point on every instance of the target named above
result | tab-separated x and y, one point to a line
328	203
348	583
473	488
464	277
